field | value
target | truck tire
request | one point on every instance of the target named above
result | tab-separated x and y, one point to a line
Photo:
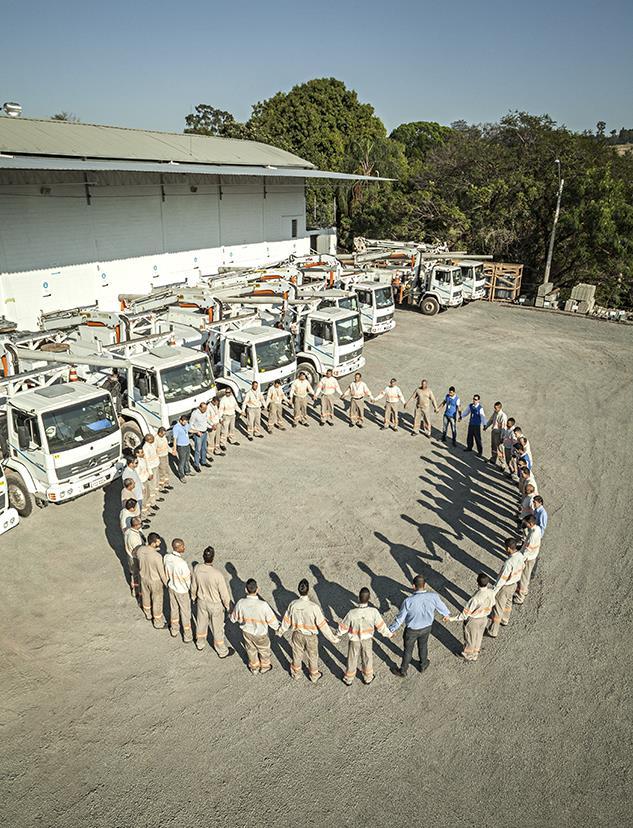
429	306
19	496
131	435
311	373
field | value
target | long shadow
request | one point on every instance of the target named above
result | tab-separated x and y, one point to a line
110	515
237	588
282	598
413	563
436	538
334	600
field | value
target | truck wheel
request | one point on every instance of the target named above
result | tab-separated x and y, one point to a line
131	436
19	496
310	372
429	306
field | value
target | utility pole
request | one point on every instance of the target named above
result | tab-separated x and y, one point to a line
550	251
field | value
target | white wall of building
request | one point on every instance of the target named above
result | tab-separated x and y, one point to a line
57	251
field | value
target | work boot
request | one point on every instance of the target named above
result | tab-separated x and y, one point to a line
200	645
159	625
173	631
330	423
316	678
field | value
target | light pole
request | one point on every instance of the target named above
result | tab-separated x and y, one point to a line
550	251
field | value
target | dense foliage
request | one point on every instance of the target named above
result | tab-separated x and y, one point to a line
488	188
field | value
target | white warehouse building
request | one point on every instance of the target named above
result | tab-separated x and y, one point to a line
89	212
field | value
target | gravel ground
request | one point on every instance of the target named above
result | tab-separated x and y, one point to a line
108	722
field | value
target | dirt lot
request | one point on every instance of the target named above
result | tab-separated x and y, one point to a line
108	722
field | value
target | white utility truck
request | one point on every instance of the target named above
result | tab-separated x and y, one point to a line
60	439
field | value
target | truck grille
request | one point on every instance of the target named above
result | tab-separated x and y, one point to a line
385	318
352	355
90	463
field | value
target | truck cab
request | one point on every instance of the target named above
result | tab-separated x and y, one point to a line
435	286
330	337
61	441
336	298
162	384
376	304
255	353
473	280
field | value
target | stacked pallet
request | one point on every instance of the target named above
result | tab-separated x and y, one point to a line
547	296
503	281
583	299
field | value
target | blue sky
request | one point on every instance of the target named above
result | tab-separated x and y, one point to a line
143	64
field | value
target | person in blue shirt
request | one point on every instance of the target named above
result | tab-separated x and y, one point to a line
417	613
452	407
539	513
475	411
181	447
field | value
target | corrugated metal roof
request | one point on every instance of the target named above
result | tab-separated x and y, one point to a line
25	136
90	165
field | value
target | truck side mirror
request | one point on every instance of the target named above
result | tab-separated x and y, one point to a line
24	438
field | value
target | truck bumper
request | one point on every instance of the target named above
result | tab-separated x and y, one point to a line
383	327
76	487
8	520
349	367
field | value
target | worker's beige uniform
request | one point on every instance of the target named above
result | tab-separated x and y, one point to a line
498	421
162	450
531	548
359	625
504	589
179	583
274	400
227	409
126	516
151	458
326	389
209	589
214	423
132	539
153	578
474	615
357	392
253	403
306	620
424	399
299	391
393	397
254	616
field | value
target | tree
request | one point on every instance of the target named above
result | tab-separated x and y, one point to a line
207	120
65	116
419	137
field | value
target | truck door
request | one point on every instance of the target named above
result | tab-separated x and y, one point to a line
146	396
366	303
25	443
320	339
241	363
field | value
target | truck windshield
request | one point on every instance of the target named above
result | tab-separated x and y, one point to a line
186	380
348	330
458	279
79	424
276	353
349	303
384	297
